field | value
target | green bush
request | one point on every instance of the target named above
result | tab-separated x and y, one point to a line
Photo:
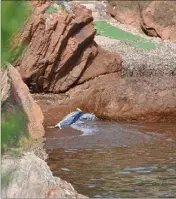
51	9
13	17
13	126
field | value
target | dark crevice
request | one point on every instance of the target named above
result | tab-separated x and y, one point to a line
72	31
88	63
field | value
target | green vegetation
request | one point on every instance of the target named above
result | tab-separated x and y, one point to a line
6	177
13	121
51	9
54	8
13	16
107	30
13	126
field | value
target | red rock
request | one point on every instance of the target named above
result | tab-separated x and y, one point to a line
158	19
144	99
126	12
61	52
23	98
133	99
155	18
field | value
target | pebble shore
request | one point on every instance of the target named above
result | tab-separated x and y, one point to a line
138	62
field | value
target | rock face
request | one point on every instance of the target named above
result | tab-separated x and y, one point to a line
150	99
61	52
30	177
18	91
134	99
126	12
62	57
158	19
155	18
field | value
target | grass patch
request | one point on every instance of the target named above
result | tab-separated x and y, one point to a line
107	30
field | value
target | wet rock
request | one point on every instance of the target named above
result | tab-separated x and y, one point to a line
150	99
30	177
155	18
21	96
134	99
61	51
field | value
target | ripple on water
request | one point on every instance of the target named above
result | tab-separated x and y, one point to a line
97	134
100	166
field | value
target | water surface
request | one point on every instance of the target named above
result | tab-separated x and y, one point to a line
112	159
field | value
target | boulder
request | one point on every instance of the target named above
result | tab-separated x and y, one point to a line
154	18
17	91
125	12
30	177
142	99
158	19
150	99
61	51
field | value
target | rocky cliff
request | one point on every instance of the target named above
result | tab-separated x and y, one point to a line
155	18
14	90
62	57
61	51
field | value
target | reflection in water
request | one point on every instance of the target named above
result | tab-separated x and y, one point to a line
85	127
97	134
116	160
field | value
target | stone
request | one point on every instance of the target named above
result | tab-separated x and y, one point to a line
150	99
158	19
30	177
154	18
5	86
125	12
61	52
141	99
22	97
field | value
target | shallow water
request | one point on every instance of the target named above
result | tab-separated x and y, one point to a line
112	159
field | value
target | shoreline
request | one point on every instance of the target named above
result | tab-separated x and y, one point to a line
31	168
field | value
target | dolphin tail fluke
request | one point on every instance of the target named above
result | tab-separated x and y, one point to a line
58	125
78	109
